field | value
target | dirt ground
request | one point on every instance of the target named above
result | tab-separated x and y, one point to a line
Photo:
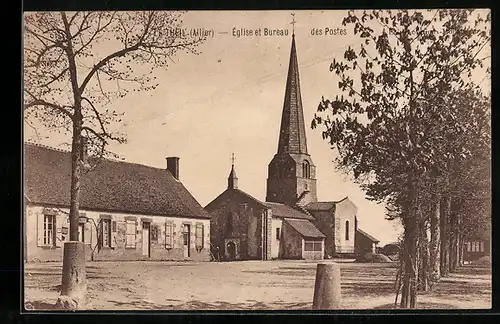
247	285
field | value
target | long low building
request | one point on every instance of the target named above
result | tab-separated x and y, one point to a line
127	211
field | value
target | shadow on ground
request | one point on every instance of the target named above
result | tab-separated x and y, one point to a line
419	306
218	305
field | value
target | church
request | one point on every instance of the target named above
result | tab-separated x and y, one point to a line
291	223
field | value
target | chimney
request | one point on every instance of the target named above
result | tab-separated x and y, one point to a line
173	166
84	149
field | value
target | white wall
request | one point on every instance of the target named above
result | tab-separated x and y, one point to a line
34	213
345	211
275	243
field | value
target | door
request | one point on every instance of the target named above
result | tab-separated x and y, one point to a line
231	250
146	239
186	240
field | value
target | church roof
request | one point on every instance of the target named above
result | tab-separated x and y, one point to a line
285	211
305	228
292	137
368	236
112	186
323	205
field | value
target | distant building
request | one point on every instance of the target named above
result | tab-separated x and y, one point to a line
476	248
244	228
128	211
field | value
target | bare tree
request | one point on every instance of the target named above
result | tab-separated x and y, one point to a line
75	64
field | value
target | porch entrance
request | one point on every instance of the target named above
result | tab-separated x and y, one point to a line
231	250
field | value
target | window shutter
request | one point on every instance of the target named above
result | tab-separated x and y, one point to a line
58	229
40	218
113	234
87	232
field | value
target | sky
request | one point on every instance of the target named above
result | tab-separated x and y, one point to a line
229	100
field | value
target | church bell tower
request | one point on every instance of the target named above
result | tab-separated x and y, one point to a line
291	172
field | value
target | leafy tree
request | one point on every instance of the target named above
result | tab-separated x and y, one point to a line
407	66
77	63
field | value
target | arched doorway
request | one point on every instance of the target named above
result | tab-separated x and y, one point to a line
231	251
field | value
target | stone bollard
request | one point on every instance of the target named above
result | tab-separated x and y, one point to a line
74	281
327	286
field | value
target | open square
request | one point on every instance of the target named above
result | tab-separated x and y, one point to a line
246	285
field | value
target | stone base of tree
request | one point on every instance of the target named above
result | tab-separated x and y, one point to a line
74	281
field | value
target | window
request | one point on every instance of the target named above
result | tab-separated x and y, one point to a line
278	233
105	237
169	235
306	170
312	246
49	233
347	230
199	236
481	247
130	232
81	232
154	232
469	248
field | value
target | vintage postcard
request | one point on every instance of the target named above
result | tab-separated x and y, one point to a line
257	160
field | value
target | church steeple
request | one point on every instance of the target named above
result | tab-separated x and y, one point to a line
292	173
232	180
292	138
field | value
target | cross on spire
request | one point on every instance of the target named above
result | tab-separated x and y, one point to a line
293	23
232	159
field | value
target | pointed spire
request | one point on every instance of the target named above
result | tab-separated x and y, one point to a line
232	180
292	137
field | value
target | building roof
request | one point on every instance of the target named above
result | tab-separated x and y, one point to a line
285	211
371	238
112	186
323	205
320	205
228	191
292	138
304	228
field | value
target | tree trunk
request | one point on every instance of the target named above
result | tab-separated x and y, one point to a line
445	235
409	259
75	183
461	250
408	277
458	241
453	241
435	243
424	256
74	283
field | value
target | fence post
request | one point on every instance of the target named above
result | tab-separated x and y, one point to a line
327	287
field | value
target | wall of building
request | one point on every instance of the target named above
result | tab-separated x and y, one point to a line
364	244
291	247
246	224
345	211
324	221
117	250
275	241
